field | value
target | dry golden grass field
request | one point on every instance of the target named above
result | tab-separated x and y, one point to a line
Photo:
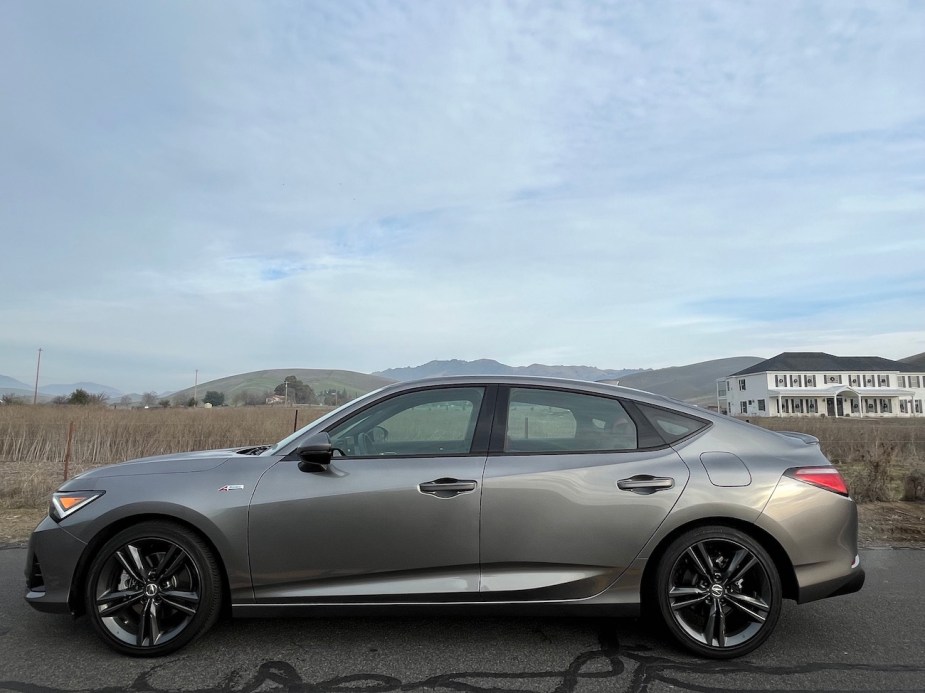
883	460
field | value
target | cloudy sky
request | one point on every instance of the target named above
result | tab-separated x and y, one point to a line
363	185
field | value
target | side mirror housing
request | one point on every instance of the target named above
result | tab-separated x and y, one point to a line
315	454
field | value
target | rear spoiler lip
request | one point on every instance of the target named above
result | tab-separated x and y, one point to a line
805	437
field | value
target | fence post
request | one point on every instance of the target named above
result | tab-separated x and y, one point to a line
295	424
67	450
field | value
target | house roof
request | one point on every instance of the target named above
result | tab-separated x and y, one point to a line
819	362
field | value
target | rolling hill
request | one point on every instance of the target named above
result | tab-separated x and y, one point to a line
695	383
259	382
435	369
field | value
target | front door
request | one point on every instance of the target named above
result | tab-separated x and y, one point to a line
396	517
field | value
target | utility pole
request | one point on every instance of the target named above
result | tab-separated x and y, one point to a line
287	394
35	395
196	387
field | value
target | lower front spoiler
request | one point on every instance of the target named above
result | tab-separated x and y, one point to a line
51	559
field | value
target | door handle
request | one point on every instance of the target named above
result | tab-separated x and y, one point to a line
446	487
645	484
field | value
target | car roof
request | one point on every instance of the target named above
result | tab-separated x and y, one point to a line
545	381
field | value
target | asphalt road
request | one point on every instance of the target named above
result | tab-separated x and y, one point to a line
873	640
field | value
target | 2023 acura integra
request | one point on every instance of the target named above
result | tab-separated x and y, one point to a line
478	492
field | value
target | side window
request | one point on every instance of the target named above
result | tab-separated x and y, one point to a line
541	420
671	425
427	422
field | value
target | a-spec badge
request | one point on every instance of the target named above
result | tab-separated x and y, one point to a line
232	487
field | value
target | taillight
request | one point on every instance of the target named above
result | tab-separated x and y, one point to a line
828	478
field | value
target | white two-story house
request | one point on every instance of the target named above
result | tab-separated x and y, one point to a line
816	384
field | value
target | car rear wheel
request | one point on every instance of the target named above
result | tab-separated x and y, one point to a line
153	588
719	592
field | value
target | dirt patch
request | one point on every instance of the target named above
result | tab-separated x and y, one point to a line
892	524
16	524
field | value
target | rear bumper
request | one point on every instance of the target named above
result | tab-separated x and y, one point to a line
832	588
51	559
818	530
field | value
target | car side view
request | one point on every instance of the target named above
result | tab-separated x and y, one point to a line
489	493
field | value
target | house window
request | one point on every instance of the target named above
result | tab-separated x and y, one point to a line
721	388
918	406
833	379
794	381
761	405
741	383
902	406
797	405
780	381
886	406
884	381
901	380
869	380
870	405
785	406
809	380
744	408
854	405
855	380
915	381
811	406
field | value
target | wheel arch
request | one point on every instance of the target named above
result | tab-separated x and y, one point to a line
781	560
75	598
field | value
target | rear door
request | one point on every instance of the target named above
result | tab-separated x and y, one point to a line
574	487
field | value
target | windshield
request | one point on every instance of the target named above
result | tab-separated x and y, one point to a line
274	449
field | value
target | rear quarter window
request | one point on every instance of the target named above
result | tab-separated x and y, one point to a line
671	425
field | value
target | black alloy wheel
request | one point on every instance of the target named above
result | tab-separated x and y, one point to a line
153	588
719	592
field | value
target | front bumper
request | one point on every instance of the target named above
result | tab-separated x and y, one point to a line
51	563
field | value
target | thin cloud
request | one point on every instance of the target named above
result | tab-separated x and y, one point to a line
361	186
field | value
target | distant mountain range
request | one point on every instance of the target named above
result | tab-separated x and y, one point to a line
436	369
694	382
12	386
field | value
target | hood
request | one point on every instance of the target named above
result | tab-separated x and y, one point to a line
199	461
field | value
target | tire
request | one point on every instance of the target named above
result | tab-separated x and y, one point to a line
718	592
153	588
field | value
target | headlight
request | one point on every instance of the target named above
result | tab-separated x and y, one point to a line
64	503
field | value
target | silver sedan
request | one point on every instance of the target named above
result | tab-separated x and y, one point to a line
491	493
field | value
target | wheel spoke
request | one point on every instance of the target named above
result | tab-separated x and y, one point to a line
710	626
131	567
679	593
721	636
736	600
698	565
155	625
705	558
169	555
175	600
737	558
744	569
142	625
124	598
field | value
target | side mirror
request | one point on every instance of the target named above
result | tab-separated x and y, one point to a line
315	455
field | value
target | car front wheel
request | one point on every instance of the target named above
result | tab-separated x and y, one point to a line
719	592
153	588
